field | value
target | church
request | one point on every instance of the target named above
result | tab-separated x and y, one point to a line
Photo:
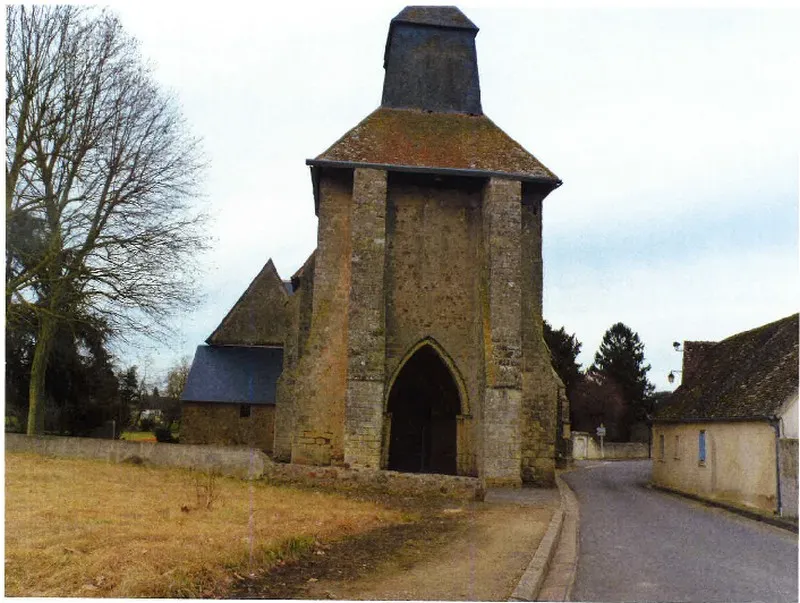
411	338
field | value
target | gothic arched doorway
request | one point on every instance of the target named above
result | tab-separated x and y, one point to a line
424	404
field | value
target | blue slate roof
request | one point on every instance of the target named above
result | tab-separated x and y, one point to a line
437	16
431	62
234	374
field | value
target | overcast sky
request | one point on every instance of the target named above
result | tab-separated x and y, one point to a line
675	132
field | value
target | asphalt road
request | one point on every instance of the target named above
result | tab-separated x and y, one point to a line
638	544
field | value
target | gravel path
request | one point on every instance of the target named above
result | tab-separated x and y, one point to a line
481	560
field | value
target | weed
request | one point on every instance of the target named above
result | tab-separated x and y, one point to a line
206	489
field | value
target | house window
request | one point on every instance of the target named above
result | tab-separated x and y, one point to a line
244	411
677	446
661	447
701	451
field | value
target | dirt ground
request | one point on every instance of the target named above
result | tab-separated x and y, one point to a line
457	551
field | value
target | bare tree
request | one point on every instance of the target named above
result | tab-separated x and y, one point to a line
177	376
101	176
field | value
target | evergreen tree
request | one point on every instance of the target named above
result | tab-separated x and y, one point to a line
621	358
129	387
81	390
564	350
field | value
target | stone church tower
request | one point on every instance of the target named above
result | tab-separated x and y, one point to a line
412	336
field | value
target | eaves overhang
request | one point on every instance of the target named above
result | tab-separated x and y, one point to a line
546	184
684	420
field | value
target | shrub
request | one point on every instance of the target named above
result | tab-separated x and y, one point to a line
14	424
163	434
147	423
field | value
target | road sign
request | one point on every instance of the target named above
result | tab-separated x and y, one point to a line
601	433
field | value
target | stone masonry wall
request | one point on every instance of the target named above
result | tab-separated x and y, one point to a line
587	447
298	313
363	428
241	462
540	384
259	317
433	231
248	463
320	377
284	400
502	412
208	423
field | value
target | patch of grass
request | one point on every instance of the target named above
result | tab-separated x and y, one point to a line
94	529
138	436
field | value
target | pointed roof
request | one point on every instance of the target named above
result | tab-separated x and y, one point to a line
749	375
430	119
437	16
304	271
258	316
413	140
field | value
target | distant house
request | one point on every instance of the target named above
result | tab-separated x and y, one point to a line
730	430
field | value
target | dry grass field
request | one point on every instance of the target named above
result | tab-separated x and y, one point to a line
94	529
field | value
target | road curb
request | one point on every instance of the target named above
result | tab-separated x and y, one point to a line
531	582
775	521
560	577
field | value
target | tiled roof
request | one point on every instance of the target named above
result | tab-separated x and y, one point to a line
234	374
414	138
746	376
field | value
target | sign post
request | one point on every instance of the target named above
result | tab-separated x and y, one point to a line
601	433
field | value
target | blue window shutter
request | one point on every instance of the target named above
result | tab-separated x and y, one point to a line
702	447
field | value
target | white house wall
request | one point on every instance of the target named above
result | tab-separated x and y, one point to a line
740	466
789	418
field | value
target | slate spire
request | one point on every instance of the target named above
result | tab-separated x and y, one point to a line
430	61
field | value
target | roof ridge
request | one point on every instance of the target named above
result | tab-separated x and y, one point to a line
763	328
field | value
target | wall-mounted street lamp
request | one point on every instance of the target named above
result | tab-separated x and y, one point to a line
671	377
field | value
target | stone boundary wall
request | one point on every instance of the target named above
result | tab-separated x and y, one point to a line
625	450
787	452
611	450
248	463
228	460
